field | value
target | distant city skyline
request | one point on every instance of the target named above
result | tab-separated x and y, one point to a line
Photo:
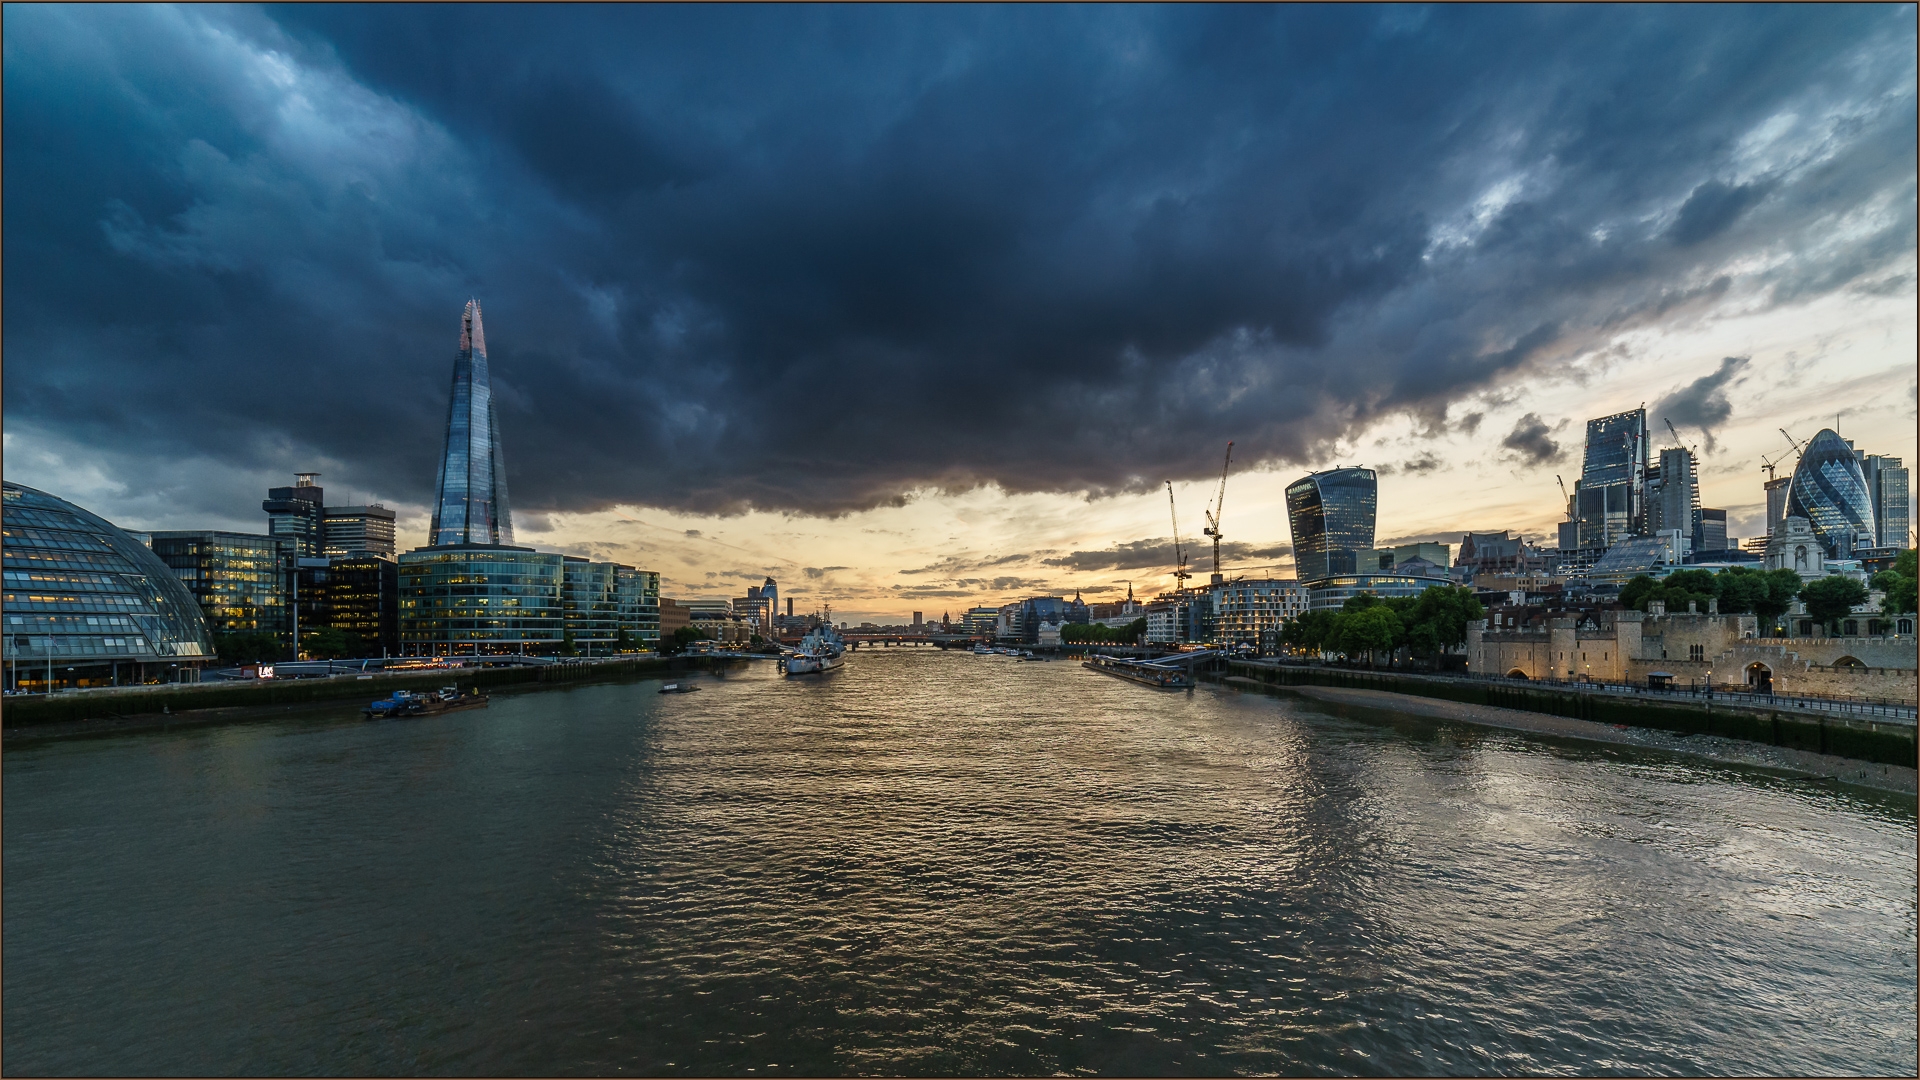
930	332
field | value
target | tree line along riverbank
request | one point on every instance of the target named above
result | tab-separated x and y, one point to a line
1858	738
30	713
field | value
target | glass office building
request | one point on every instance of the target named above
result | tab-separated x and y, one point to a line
481	598
1610	496
1887	483
638	595
86	604
1331	514
1332	594
470	503
472	599
611	607
591	599
358	596
239	579
295	514
1830	491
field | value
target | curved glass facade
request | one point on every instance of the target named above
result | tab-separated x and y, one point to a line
1830	491
1331	514
1332	594
87	600
475	598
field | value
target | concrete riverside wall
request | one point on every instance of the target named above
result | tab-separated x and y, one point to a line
1882	742
20	712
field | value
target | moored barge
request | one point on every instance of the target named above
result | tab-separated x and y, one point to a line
1146	674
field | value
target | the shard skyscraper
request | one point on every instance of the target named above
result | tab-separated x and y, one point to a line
471	504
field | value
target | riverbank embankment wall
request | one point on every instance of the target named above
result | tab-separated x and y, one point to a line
40	710
1879	741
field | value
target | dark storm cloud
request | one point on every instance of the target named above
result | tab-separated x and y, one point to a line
817	258
1701	403
1531	441
1711	209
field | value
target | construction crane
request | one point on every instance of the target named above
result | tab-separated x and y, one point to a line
1215	512
1564	497
1795	443
1180	574
1769	466
1695	451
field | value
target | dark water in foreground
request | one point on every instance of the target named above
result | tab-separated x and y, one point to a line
939	864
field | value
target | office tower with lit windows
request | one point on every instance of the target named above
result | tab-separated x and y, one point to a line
1609	499
297	515
1331	514
353	531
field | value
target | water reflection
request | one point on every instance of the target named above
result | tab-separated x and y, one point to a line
940	864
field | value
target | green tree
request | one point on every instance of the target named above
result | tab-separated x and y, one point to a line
326	643
1740	589
1372	629
1899	584
1635	594
1698	583
1311	632
621	642
247	648
1830	599
1782	586
567	645
687	635
1437	619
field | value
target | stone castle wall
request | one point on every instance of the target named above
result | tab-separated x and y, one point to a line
1698	649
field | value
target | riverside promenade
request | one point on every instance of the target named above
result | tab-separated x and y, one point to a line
181	704
1876	732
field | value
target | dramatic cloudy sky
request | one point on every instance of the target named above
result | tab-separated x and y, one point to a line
918	307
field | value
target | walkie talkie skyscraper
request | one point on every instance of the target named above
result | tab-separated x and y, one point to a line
470	505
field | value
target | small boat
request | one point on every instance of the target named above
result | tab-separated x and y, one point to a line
1030	656
678	688
982	650
405	703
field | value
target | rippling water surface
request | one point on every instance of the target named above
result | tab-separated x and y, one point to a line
939	863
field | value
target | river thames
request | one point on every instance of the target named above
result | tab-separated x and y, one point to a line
939	863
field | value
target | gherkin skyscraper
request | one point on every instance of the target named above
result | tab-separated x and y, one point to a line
470	506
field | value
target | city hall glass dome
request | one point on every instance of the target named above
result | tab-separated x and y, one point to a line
88	599
1830	490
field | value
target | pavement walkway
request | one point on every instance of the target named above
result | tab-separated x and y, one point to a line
1802	763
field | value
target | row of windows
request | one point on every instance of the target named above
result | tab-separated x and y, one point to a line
24	646
55	621
492	602
486	632
65	560
55	539
16	602
47	518
28	579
